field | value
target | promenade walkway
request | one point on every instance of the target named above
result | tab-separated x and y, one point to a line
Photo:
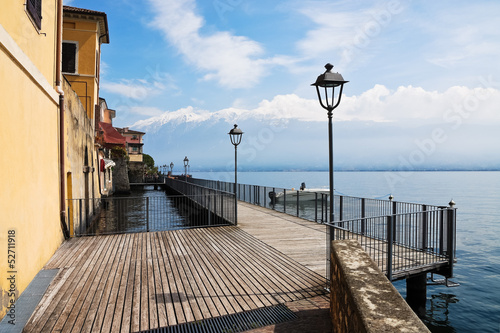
143	281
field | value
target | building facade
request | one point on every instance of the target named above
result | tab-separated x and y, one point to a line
84	32
30	201
50	123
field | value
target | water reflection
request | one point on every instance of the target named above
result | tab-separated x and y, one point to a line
142	210
437	313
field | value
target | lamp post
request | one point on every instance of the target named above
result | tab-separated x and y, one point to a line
186	162
235	135
329	81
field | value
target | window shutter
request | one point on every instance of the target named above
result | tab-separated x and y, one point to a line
34	8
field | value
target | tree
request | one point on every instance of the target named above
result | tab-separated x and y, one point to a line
149	165
148	161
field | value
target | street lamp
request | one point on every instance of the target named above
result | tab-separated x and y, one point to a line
329	81
186	162
235	135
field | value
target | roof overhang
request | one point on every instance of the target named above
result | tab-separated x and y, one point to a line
92	15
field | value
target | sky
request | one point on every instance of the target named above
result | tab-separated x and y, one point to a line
423	90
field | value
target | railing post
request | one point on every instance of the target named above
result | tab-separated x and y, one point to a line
323	208
424	227
298	194
265	198
441	231
394	212
363	215
341	213
284	200
209	210
450	250
147	214
273	203
390	241
341	208
316	207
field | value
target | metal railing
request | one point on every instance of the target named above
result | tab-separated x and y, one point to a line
314	205
143	214
399	236
405	242
219	203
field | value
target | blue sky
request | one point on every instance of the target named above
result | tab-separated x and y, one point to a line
424	88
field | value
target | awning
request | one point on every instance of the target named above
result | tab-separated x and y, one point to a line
111	135
108	163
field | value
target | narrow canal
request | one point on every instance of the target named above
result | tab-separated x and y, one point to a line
144	209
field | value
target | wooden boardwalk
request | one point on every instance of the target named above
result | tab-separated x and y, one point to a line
305	242
301	240
137	282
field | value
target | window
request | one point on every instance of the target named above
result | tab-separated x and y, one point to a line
34	8
69	57
135	149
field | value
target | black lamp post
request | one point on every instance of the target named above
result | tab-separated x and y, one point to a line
235	135
329	81
186	162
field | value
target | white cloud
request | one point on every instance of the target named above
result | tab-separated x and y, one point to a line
134	89
344	29
233	61
379	104
470	37
145	111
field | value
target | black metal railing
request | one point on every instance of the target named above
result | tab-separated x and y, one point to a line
313	206
400	236
403	242
143	214
219	203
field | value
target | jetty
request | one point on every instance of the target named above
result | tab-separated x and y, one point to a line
141	281
265	267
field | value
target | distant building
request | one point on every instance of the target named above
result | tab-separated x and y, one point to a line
106	114
134	143
84	31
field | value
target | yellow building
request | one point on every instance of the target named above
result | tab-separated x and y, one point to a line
84	32
30	200
48	125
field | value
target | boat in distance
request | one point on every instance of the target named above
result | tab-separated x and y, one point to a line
303	194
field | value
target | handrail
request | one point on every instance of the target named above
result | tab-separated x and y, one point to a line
428	230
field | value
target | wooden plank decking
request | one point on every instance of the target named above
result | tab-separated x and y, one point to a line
305	242
142	281
136	282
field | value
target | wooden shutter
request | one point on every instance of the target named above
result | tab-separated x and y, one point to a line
34	7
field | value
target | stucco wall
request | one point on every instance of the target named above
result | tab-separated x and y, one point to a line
29	199
81	158
85	82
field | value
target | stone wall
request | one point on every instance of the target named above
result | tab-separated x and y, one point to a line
136	172
362	299
121	183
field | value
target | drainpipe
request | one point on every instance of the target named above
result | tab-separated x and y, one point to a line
59	90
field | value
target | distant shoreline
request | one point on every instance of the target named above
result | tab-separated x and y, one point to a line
349	170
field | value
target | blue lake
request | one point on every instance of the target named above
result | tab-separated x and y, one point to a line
474	306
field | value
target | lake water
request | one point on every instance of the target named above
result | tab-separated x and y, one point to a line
474	306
